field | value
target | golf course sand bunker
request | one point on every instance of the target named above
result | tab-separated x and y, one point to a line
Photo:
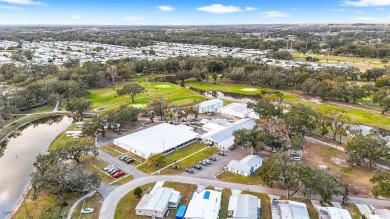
162	86
249	89
138	105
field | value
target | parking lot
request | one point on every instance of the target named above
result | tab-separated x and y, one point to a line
211	170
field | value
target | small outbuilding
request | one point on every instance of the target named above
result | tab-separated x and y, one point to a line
244	207
246	167
210	105
282	209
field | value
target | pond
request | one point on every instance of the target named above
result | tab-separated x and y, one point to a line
227	96
19	153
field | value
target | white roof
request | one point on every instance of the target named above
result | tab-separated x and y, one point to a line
208	103
186	127
244	206
286	209
158	201
369	209
224	137
240	108
204	205
246	164
157	139
333	213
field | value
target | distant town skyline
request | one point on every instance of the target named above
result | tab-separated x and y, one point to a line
192	12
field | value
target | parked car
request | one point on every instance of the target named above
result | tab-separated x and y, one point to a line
123	157
198	167
130	160
190	170
126	158
115	171
118	174
221	153
213	158
208	161
111	169
203	163
87	210
108	167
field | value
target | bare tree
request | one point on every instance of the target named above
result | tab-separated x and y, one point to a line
112	71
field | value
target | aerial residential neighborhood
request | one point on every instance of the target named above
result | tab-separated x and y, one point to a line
195	109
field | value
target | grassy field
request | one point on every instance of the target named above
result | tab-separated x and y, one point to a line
265	211
94	202
40	109
240	89
172	157
361	63
186	191
62	139
126	206
107	98
353	210
223	212
236	178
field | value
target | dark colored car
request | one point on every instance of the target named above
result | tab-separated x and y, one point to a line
198	167
130	160
189	170
221	153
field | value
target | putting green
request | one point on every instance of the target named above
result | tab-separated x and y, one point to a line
162	86
249	89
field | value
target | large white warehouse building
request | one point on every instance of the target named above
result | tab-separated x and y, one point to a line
162	138
210	105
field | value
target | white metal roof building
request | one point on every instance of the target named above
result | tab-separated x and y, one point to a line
158	203
204	205
162	138
333	213
210	105
224	137
246	167
286	209
236	109
372	213
244	207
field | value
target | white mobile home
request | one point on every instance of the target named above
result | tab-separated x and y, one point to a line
244	207
74	134
204	205
246	167
210	105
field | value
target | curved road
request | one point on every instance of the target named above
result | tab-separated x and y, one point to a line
112	200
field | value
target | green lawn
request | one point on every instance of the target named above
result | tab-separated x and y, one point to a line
174	156
236	178
240	89
62	139
186	191
106	98
223	212
94	202
126	206
40	109
353	210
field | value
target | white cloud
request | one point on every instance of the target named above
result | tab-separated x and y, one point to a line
219	9
134	18
75	17
166	8
368	18
339	10
23	2
8	7
366	3
250	9
388	17
273	14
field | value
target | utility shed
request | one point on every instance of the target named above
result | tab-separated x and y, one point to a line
246	167
210	105
333	213
158	203
286	209
224	137
163	138
244	207
181	212
204	205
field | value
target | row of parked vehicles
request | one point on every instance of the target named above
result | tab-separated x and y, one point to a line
205	162
114	171
126	159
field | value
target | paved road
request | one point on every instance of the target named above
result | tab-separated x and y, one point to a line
111	201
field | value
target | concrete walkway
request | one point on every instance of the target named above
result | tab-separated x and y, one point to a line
111	201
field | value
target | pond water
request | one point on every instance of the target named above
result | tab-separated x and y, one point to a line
20	151
227	96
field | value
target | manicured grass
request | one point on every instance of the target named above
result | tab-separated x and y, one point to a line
126	206
94	165
353	210
186	191
174	156
123	180
223	212
107	98
62	139
40	109
11	120
116	151
240	89
190	161
94	202
110	151
236	178
265	211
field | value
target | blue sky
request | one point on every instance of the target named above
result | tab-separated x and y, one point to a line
199	12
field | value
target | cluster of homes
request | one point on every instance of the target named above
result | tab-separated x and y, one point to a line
58	52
